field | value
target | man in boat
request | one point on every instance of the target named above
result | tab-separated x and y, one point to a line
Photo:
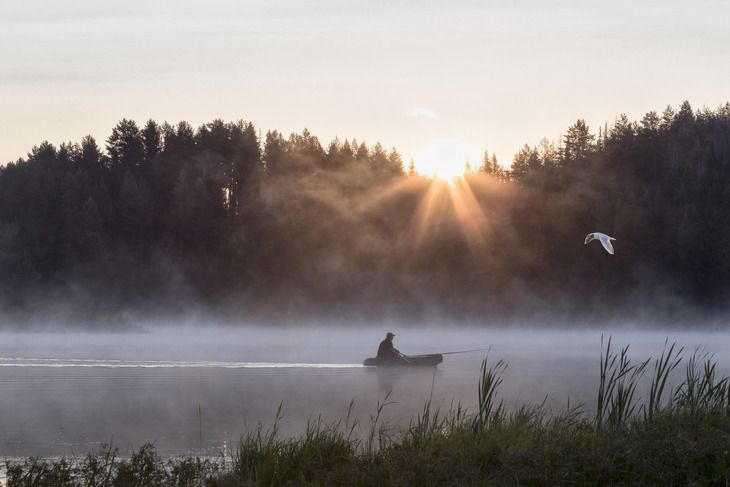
386	351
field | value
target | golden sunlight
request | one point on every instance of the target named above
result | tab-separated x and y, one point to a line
446	159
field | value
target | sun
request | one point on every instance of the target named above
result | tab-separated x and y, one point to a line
446	159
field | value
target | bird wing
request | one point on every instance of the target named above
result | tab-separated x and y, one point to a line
607	244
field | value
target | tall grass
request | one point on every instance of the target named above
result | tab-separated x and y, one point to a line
702	391
105	469
663	367
615	403
489	411
642	433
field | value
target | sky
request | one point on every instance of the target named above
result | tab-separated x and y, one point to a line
440	81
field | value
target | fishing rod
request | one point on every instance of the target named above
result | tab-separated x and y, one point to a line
455	352
467	351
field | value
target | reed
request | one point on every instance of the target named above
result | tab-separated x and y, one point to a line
378	430
702	392
663	367
615	404
489	412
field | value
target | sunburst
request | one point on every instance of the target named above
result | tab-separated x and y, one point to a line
445	159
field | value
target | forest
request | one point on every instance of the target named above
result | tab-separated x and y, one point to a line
169	219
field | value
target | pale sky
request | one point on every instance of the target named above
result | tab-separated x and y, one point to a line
427	77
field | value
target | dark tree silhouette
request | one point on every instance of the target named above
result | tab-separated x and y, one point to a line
170	216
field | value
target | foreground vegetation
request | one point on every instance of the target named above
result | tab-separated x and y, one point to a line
671	435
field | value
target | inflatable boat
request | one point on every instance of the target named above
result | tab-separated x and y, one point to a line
431	360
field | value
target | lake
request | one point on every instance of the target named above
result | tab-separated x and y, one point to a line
196	391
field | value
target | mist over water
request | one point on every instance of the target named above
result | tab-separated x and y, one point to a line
65	393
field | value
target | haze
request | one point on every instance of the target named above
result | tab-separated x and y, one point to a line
465	75
68	393
119	253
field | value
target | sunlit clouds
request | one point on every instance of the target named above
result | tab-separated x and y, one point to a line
423	112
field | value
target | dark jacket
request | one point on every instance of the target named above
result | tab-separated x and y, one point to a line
386	349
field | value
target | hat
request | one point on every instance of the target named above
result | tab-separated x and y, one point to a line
389	334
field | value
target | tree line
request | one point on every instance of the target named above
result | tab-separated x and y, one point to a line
165	217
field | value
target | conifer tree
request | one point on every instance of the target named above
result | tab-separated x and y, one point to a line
125	145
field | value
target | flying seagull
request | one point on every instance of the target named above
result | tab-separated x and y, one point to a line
603	238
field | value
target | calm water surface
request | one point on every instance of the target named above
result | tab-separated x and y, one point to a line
191	391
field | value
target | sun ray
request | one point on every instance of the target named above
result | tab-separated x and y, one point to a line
470	216
430	209
392	190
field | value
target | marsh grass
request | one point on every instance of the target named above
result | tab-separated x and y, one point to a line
660	435
663	367
489	411
106	469
617	385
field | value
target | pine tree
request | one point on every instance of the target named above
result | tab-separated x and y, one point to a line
667	118
275	153
411	168
650	123
525	163
490	166
91	159
578	142
152	140
395	163
125	145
